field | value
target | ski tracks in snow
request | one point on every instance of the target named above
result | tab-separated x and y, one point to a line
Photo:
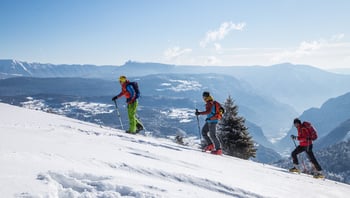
75	184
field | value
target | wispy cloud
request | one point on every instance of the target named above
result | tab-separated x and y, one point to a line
212	60
221	33
217	46
337	37
308	48
324	53
175	52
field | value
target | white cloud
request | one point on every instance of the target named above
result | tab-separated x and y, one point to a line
325	53
220	33
338	37
217	46
212	60
175	52
309	48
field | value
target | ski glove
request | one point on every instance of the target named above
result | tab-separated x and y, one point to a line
114	98
197	112
293	137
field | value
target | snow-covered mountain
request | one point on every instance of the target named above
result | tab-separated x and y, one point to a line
335	159
297	86
300	86
339	134
13	68
46	155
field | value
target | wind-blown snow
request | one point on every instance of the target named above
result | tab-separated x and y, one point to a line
181	85
47	155
184	114
35	104
92	107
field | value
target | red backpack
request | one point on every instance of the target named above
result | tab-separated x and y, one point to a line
312	133
219	110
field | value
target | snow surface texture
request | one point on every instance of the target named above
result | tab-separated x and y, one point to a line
47	155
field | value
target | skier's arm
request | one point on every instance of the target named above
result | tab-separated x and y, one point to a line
123	92
120	94
207	109
117	96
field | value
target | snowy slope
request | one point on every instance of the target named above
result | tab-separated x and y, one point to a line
46	155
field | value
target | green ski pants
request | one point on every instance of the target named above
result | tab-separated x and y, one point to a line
132	116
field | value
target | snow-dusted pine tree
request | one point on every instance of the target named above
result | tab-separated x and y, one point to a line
233	133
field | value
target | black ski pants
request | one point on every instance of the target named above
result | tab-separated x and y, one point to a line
308	149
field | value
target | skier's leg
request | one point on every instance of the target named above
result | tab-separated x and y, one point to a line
205	131
213	136
139	125
132	116
313	158
297	150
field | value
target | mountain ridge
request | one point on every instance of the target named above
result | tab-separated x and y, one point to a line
286	82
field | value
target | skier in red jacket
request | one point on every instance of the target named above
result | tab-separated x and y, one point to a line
305	144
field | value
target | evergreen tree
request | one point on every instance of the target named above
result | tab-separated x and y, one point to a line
233	133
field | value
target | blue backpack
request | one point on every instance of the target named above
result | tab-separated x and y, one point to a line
135	86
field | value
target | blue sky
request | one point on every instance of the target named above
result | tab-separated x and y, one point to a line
181	32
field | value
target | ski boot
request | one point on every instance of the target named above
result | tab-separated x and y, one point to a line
209	147
318	175
127	131
216	152
139	127
294	170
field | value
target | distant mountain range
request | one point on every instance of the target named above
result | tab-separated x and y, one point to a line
340	71
338	134
13	68
299	86
335	160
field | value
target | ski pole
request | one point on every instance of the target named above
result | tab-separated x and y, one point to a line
294	143
199	128
301	159
118	113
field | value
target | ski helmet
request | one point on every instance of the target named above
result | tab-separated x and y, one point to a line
122	79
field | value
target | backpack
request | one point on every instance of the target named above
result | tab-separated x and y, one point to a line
219	110
135	86
312	133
